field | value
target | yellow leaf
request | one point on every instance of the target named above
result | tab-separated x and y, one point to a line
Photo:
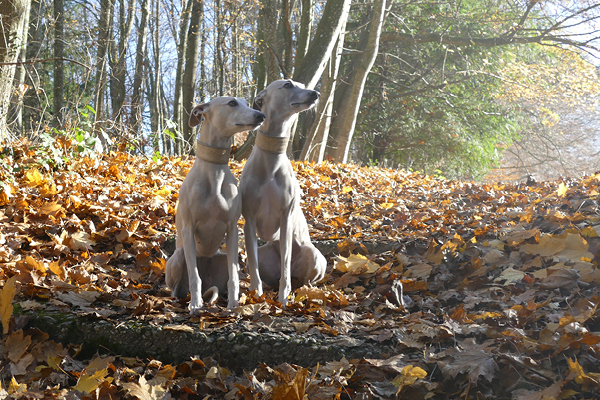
6	297
33	177
35	265
562	190
51	208
411	370
356	263
346	189
89	383
15	387
58	270
164	192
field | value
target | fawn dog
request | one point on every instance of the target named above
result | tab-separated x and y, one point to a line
210	206
271	197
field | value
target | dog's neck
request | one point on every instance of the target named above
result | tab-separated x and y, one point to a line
280	127
212	146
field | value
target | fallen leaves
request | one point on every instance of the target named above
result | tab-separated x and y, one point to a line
474	291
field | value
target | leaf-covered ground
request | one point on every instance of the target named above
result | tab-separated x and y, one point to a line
499	285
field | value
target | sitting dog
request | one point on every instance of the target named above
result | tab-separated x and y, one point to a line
210	206
271	198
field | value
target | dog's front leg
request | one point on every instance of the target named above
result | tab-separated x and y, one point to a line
252	256
285	243
189	249
233	284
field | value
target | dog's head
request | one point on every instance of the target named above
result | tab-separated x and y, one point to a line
229	114
286	97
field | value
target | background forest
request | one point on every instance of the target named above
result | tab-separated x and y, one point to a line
448	87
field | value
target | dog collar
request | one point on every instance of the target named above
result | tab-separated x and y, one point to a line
213	154
270	144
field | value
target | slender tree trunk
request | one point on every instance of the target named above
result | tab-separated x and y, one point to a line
235	56
316	143
330	26
117	59
219	70
59	67
12	28
184	22
137	99
259	70
349	105
20	74
191	64
106	12
306	20
156	119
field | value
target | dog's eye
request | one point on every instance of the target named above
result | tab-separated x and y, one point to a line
233	103
288	85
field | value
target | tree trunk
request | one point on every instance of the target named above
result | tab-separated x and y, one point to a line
316	142
137	99
349	105
20	74
155	117
12	18
191	64
106	16
330	26
117	60
219	68
306	20
184	21
59	66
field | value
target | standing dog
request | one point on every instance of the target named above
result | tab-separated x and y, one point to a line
271	198
210	205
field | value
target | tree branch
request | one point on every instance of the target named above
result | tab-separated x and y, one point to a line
46	60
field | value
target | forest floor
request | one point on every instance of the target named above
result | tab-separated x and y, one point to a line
436	289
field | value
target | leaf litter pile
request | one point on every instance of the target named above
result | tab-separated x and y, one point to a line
478	291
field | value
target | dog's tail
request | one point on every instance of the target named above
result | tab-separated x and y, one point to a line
213	292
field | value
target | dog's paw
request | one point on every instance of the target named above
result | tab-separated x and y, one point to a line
232	304
195	309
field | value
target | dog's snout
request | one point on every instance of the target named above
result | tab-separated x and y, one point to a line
315	94
260	117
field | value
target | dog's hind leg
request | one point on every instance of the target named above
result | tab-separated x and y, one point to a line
176	276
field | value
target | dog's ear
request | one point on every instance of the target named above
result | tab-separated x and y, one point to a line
259	100
197	112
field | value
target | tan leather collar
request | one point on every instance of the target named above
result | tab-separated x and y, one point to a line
212	154
271	144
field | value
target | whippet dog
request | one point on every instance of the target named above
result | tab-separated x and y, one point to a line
210	206
271	198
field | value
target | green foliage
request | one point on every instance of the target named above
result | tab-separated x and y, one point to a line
433	107
59	146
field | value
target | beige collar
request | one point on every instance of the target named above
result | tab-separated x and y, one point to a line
271	144
213	154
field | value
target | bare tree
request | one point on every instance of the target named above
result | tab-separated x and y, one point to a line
13	20
59	66
343	125
137	103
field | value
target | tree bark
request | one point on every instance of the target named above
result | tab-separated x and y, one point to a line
12	18
310	70
20	74
106	12
191	64
59	66
306	20
184	22
137	99
349	105
316	143
117	60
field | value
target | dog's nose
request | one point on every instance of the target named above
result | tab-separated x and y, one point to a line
316	94
261	117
